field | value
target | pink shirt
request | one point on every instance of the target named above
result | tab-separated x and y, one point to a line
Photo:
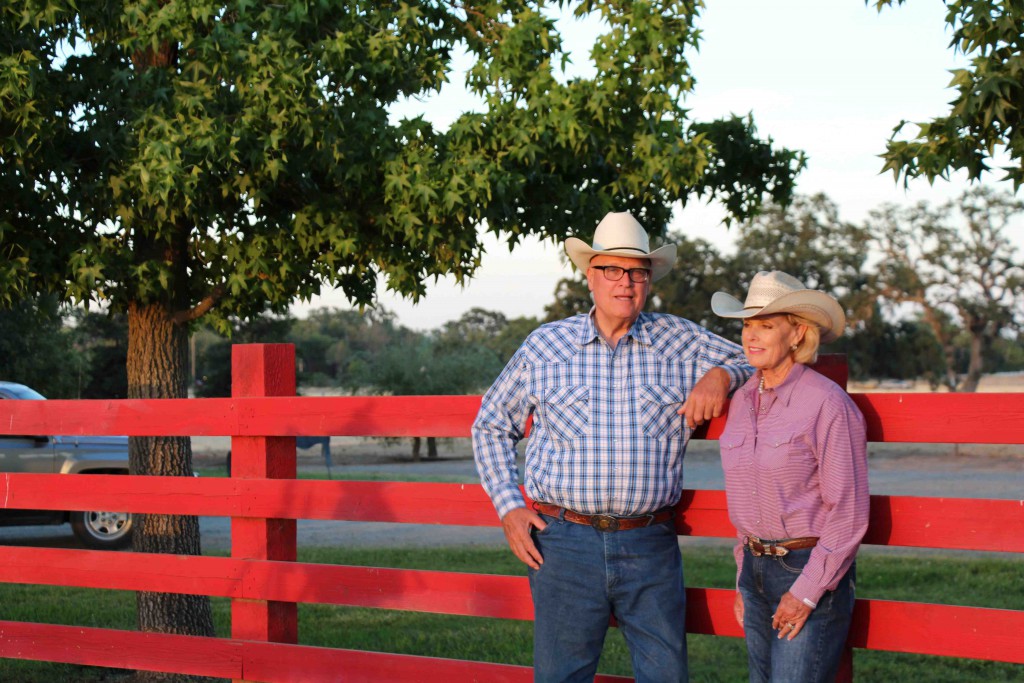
796	465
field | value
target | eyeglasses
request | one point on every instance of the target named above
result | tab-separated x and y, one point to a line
614	273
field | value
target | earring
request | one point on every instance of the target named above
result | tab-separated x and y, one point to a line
794	347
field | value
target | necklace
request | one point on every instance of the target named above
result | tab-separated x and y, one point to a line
760	386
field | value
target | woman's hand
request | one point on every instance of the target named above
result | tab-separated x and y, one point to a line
737	608
790	616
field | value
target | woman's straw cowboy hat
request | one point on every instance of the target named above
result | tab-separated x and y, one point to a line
619	234
777	292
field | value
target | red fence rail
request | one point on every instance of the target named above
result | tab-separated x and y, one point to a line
264	500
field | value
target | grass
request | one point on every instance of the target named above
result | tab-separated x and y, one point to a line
980	581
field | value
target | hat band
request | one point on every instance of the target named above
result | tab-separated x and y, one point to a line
624	249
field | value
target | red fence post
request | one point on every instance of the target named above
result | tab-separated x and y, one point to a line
263	370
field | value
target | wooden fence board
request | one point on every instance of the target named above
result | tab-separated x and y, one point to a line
241	659
954	523
920	418
946	630
192	655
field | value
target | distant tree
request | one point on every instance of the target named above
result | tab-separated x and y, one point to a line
213	350
512	336
102	339
36	350
686	291
436	364
986	116
1007	354
901	349
475	326
331	344
959	267
808	240
572	296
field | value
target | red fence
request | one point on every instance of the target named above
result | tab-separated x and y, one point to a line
263	500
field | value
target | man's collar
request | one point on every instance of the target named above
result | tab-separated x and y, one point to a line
638	330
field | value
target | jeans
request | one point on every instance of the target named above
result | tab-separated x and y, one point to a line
815	652
590	575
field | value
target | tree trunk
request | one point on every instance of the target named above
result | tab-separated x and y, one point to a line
416	449
431	448
976	364
157	368
949	350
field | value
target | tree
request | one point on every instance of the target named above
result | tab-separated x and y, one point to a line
958	266
102	339
459	358
219	159
511	337
572	296
808	240
213	351
37	351
987	114
686	291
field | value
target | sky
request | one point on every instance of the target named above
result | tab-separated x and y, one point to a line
831	78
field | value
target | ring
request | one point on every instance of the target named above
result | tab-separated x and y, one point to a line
791	625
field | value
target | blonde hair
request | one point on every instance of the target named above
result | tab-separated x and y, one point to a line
806	351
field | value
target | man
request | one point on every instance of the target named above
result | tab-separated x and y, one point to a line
604	460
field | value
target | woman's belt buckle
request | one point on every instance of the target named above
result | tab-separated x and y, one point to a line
604	522
759	548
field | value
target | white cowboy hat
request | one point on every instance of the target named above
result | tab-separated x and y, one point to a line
777	292
619	234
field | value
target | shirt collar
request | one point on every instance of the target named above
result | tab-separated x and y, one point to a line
638	330
783	392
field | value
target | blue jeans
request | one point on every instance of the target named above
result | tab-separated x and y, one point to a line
590	575
814	654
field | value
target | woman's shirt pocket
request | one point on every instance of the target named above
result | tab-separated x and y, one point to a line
783	449
659	411
732	449
565	412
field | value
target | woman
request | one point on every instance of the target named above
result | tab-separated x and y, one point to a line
795	458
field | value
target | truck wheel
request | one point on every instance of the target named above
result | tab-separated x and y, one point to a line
103	530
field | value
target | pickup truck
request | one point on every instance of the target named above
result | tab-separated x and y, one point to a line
77	455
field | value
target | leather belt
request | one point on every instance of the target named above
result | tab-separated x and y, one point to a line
780	548
606	522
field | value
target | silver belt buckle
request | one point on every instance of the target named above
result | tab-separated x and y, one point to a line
604	523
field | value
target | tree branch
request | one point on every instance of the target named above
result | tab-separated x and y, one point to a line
200	309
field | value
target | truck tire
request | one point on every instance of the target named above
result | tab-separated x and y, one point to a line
103	530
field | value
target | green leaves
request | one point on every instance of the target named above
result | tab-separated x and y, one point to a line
986	117
247	152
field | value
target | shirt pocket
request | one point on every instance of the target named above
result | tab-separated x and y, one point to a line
566	412
731	447
659	414
776	449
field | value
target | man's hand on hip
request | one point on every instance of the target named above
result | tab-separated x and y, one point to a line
517	524
707	400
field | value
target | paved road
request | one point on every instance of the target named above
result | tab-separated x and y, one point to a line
928	471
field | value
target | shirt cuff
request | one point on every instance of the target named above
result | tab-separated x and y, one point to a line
806	592
507	499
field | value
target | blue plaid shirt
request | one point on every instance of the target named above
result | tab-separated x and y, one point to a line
606	437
